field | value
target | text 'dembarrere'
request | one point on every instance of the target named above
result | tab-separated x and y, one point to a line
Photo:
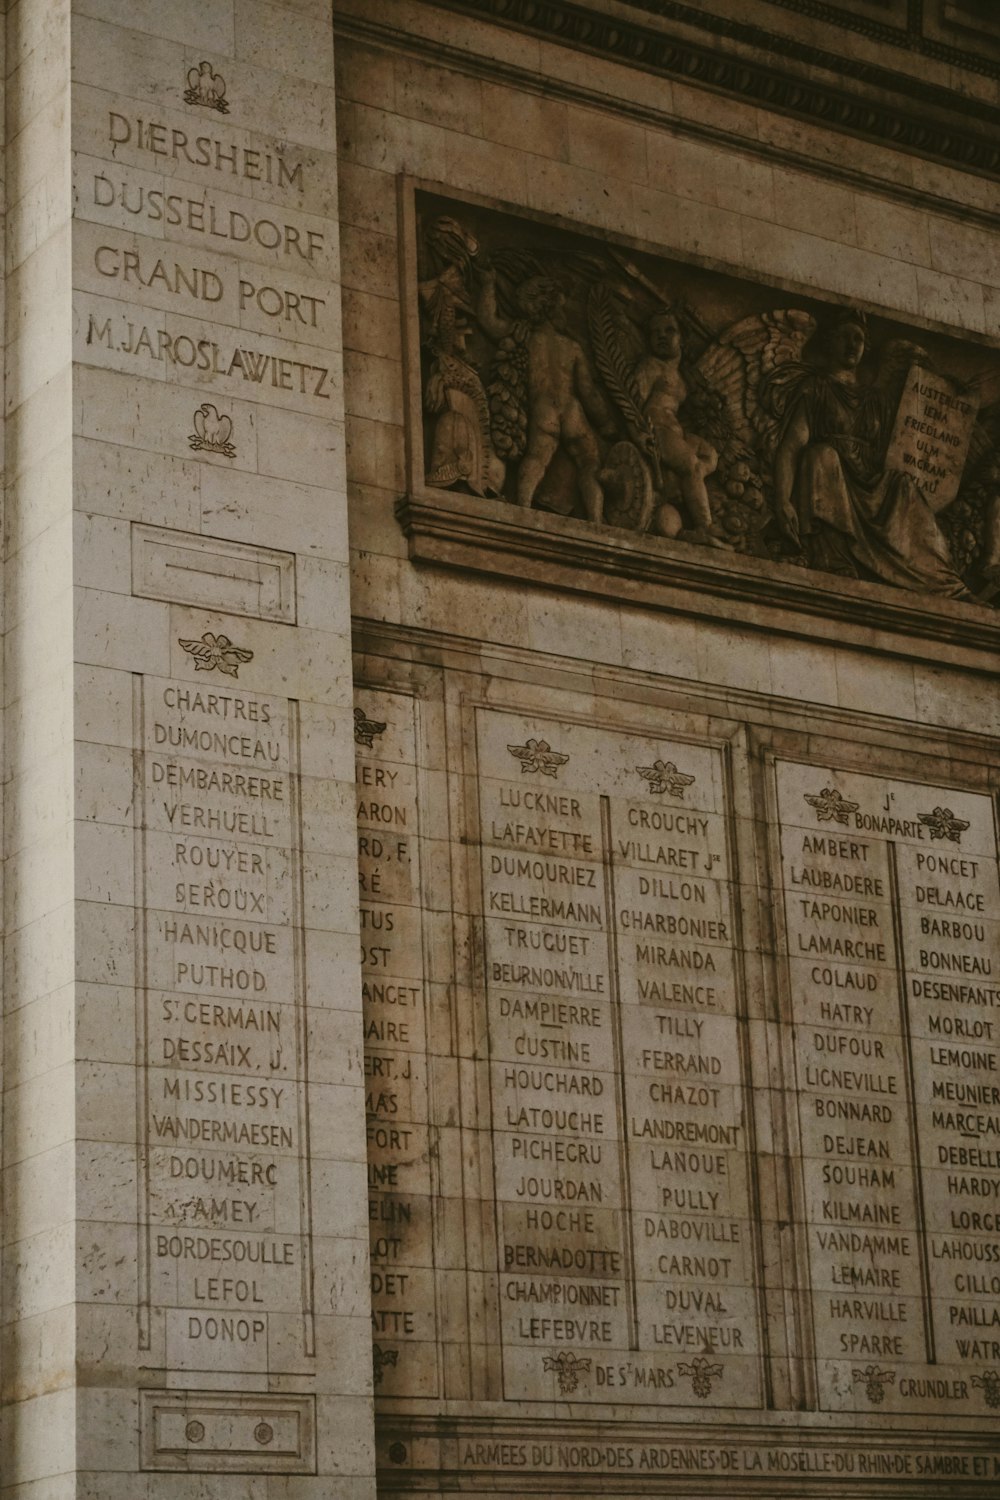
226	1264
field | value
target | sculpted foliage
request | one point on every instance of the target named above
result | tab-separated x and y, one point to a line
568	377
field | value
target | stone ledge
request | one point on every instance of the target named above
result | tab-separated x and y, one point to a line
494	537
773	70
414	1448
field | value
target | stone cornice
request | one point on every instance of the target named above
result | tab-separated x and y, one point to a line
911	37
483	536
875	103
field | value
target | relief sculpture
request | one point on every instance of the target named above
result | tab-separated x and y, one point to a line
641	395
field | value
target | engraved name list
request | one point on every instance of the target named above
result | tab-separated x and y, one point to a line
221	1029
626	1244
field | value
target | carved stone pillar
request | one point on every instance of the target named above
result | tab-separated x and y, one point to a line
185	1285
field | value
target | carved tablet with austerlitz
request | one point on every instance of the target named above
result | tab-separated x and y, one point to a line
561	376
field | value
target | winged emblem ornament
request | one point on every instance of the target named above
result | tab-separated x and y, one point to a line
663	776
989	1384
701	1372
366	729
874	1381
942	824
207	88
538	755
567	1368
831	806
381	1360
216	653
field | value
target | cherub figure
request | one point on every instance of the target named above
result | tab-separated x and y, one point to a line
662	391
560	396
645	377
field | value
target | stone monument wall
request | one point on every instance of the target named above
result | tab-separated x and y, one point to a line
680	1115
185	1283
677	821
501	907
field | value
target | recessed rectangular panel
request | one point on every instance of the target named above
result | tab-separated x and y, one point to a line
892	930
225	1268
682	1086
185	568
624	1194
238	1433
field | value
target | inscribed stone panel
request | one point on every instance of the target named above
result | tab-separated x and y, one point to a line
225	1265
663	1163
627	1258
892	926
405	1332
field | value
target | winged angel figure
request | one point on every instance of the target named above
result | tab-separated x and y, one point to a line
813	430
589	389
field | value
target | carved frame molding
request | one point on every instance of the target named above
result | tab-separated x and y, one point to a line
453	530
419	1442
651	573
373	31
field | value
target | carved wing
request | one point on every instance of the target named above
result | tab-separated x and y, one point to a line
728	384
549	760
204	654
734	365
366	729
705	410
231	657
617	348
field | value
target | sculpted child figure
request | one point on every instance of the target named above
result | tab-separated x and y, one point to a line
562	397
689	458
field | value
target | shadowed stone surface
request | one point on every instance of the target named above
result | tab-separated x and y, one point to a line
501	906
